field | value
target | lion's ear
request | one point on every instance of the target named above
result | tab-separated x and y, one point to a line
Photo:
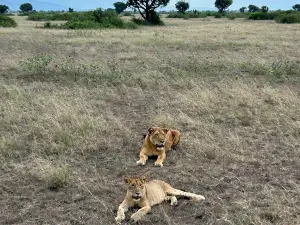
150	130
126	180
165	130
143	179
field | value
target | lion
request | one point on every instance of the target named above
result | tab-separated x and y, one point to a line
157	142
147	194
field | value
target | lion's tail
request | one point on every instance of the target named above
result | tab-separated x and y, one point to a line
186	194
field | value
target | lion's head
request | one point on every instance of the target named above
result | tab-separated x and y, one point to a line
135	187
158	137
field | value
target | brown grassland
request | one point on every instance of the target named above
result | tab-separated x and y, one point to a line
74	106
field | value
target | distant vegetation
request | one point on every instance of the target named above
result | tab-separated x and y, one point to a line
109	18
182	6
120	7
84	20
3	9
26	7
6	21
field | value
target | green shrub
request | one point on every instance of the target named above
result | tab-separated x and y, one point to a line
77	24
138	21
87	20
175	15
26	13
58	16
289	18
263	15
187	15
6	21
48	24
231	17
218	16
211	13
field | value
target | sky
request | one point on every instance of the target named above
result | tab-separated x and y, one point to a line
194	4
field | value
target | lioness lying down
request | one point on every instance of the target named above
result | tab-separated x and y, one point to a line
157	142
148	194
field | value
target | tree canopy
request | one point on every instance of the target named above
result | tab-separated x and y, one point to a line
26	7
222	5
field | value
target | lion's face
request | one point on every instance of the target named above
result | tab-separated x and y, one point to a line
136	187
158	137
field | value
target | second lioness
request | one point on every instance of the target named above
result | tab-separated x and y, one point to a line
157	142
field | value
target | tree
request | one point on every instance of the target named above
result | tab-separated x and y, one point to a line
221	5
71	10
147	8
264	8
182	6
296	7
120	7
242	10
253	8
26	7
3	9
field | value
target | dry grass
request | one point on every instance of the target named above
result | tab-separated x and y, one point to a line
71	128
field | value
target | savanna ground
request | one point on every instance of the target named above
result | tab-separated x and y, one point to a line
75	105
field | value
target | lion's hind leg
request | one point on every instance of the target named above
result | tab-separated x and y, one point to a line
173	199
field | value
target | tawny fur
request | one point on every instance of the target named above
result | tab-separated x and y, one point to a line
157	142
149	194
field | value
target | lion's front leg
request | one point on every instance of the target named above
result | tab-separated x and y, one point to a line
160	159
123	208
140	213
143	158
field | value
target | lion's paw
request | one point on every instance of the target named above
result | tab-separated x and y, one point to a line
119	219
140	163
135	217
158	164
173	201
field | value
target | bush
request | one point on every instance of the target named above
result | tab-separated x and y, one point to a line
231	16
155	20
289	18
138	21
88	20
76	24
187	15
6	21
26	13
218	16
263	15
57	16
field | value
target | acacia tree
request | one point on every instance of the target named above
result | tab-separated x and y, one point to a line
3	9
120	7
147	7
182	6
221	5
296	7
242	10
26	7
253	8
264	8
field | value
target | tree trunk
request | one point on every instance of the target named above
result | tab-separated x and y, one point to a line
147	13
